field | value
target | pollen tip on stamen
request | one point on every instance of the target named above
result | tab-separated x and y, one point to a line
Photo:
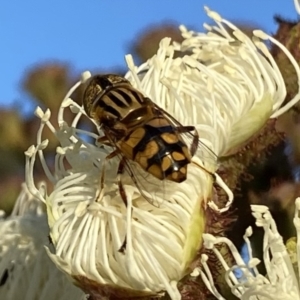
85	76
213	206
39	112
204	258
207	27
259	208
60	151
212	14
206	9
249	231
165	42
67	102
209	240
183	28
253	262
30	151
43	144
240	35
196	272
61	124
46	115
42	187
260	34
129	61
74	109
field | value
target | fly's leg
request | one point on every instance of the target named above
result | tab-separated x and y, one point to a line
104	140
109	156
121	169
123	247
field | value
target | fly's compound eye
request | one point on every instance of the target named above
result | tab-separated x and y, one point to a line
92	91
108	81
116	79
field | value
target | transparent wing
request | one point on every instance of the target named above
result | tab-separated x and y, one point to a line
151	189
192	139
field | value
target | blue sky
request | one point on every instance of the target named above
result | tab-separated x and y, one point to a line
96	34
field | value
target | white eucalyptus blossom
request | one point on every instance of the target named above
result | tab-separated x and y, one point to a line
282	278
228	87
26	272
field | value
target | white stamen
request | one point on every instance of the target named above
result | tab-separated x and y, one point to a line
297	6
25	269
281	282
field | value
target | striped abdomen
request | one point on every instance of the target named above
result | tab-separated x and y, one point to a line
158	149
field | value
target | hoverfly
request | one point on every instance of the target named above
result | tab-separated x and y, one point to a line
138	130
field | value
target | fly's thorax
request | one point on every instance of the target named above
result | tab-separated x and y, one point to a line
111	94
138	117
97	86
122	107
121	129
